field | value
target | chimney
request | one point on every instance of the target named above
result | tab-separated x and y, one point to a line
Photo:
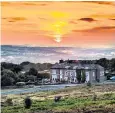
61	61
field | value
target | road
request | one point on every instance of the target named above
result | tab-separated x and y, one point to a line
35	89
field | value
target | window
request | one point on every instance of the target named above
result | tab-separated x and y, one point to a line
101	73
93	74
53	71
87	76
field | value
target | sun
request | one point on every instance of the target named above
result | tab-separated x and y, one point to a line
58	38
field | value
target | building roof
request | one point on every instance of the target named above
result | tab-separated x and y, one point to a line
76	66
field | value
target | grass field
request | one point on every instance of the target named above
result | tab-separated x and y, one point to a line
79	99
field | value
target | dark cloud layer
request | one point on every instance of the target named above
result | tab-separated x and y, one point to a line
87	19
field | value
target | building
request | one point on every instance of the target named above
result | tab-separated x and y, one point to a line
70	70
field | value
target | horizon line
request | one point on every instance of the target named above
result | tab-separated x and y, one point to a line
27	45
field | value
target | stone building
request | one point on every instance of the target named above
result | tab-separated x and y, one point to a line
68	71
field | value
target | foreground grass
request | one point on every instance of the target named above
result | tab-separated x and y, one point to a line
75	100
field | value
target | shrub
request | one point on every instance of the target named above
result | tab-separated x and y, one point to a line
83	77
94	97
89	83
57	98
28	102
78	76
20	83
7	77
9	102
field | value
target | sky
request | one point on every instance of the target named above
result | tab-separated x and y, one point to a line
59	24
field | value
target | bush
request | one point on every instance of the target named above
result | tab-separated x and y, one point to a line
78	76
9	102
89	83
83	77
57	98
94	97
20	83
28	102
33	71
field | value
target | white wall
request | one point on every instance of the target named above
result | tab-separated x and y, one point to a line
87	76
101	73
70	73
53	73
61	73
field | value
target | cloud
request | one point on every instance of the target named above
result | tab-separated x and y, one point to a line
5	3
11	21
87	19
18	18
14	19
4	18
106	27
29	3
102	2
18	54
72	22
42	18
35	3
103	16
43	4
112	19
96	29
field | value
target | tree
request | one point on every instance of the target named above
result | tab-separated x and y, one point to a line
43	75
20	77
78	76
20	83
112	64
17	68
33	71
7	77
30	78
6	81
14	67
25	63
83	77
28	102
103	62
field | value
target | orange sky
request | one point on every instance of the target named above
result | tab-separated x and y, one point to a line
79	24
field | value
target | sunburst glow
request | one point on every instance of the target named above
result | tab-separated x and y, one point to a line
58	38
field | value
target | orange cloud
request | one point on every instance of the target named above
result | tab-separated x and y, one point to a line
5	3
73	22
17	18
112	19
97	29
102	2
14	19
98	16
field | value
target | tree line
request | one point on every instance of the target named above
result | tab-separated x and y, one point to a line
12	73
